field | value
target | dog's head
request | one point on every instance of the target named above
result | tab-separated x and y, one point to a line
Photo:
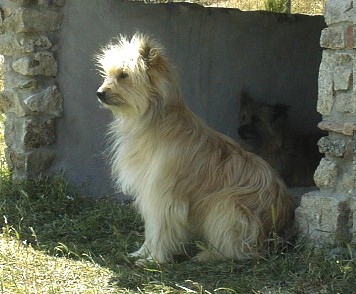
261	122
137	76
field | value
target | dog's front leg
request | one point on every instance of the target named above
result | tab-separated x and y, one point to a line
141	253
165	232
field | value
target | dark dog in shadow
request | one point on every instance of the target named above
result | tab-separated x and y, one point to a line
265	131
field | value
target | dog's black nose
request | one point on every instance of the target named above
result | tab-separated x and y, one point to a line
101	95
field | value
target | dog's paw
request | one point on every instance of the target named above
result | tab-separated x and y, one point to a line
203	256
144	262
135	254
141	253
208	255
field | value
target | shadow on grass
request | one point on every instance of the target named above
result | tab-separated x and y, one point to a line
55	219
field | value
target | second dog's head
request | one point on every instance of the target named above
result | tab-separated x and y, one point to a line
137	76
261	123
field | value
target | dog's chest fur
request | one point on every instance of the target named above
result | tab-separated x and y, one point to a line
135	161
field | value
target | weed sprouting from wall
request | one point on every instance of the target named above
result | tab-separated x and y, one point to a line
276	6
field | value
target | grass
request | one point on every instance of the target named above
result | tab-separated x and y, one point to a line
54	240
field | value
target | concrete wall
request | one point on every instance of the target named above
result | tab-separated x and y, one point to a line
217	52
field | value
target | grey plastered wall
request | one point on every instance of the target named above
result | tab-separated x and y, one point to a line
217	52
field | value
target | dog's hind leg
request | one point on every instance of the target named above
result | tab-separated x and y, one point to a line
231	230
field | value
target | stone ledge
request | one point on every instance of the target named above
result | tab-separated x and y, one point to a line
346	128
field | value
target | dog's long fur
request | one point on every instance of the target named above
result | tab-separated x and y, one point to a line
186	179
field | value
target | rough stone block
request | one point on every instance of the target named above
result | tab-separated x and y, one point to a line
334	147
342	78
17	81
325	175
24	133
323	218
39	42
29	164
26	20
8	45
348	181
39	132
343	58
339	11
333	37
14	131
48	101
16	162
350	152
10	103
41	63
325	84
345	102
6	101
9	131
39	161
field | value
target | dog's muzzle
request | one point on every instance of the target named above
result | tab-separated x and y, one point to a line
102	95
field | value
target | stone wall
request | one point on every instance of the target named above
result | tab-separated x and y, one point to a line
328	216
30	97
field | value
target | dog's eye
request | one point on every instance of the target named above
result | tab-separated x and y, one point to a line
123	75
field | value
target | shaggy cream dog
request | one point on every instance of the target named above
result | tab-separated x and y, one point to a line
185	178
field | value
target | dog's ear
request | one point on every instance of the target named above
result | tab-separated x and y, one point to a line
280	110
150	52
145	52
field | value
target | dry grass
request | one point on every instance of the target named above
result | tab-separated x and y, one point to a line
26	270
312	7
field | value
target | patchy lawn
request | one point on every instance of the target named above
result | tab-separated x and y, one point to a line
54	240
